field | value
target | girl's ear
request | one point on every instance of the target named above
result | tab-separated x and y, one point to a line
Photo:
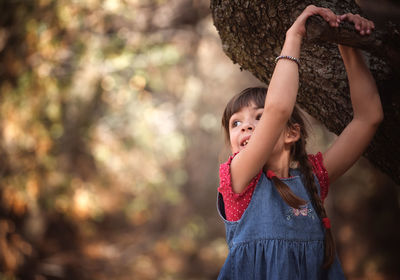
292	134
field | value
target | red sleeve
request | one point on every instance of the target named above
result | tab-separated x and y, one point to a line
321	173
235	203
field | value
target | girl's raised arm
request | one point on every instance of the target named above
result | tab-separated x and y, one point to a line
367	108
279	103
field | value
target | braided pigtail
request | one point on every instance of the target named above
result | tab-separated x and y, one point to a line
298	154
285	192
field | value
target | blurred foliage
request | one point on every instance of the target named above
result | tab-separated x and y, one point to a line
110	139
95	96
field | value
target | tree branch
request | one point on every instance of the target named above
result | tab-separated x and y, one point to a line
377	43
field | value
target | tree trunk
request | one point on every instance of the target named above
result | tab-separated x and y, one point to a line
252	33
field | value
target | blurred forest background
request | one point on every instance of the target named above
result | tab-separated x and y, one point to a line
110	143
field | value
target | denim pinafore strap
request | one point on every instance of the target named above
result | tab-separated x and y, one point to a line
275	241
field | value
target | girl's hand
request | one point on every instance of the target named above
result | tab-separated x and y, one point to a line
363	25
299	26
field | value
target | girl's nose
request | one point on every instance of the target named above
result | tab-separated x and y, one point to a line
248	126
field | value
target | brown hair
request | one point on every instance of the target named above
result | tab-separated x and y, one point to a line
297	153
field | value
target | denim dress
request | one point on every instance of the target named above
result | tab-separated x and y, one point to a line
275	241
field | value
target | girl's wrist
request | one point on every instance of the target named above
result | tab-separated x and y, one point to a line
292	45
294	35
346	49
349	53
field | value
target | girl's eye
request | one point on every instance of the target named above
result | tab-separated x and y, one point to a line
258	117
236	123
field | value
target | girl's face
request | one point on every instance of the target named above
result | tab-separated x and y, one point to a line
242	125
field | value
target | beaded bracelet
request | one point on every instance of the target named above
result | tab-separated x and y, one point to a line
288	57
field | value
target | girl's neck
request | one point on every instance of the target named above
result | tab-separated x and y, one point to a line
280	172
279	165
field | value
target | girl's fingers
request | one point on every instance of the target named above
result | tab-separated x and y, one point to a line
363	28
357	22
371	25
344	17
361	24
330	17
335	23
369	28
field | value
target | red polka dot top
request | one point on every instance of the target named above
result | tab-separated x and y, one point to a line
236	203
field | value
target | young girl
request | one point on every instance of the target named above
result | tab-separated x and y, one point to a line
271	192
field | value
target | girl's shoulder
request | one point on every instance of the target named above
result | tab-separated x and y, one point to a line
235	203
225	183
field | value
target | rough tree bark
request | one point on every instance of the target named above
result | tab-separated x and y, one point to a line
252	33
